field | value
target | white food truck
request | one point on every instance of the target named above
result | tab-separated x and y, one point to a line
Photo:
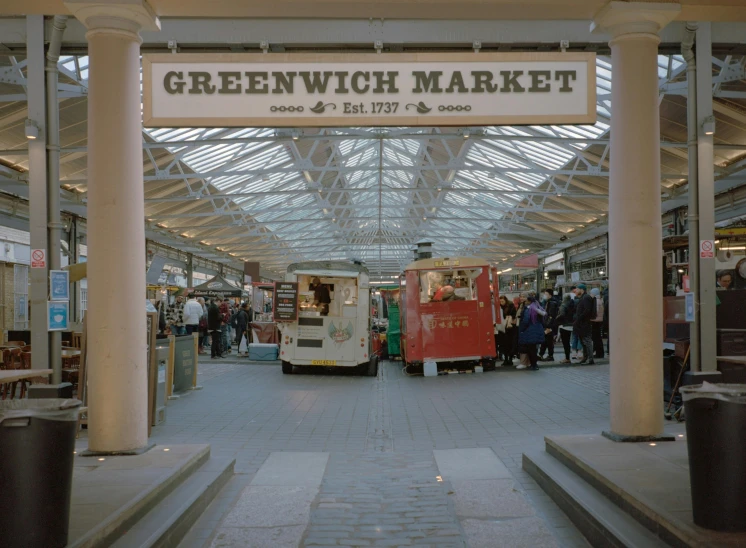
336	334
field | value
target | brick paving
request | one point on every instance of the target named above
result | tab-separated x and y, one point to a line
380	433
385	499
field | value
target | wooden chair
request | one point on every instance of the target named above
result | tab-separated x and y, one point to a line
71	367
16	362
5	387
26	348
77	339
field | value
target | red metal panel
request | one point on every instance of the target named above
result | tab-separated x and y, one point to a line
447	330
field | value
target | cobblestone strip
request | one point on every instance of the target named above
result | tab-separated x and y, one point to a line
383	499
379	436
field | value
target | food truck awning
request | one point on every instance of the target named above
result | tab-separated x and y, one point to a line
327	273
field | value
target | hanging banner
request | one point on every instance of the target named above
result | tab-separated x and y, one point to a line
311	90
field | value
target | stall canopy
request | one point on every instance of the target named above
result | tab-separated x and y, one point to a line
217	287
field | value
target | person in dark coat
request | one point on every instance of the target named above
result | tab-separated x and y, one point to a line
586	309
606	318
321	296
505	340
550	325
242	324
531	330
565	319
214	322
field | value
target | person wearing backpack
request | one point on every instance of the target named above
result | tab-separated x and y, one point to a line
586	312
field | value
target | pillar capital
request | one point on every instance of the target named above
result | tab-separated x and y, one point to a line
126	17
619	18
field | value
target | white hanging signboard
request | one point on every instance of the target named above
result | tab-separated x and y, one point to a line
312	90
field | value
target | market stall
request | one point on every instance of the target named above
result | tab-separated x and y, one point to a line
446	315
264	328
217	287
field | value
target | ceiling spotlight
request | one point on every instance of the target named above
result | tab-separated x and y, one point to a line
32	129
334	220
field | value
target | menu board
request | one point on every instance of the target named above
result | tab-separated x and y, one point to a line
286	302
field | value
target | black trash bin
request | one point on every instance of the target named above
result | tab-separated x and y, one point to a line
37	440
716	439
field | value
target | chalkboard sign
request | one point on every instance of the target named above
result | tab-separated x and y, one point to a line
286	302
183	363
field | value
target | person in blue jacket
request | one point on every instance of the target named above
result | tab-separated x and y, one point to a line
531	331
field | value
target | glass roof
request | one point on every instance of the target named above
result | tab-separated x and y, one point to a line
371	194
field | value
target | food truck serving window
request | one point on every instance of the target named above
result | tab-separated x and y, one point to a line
449	285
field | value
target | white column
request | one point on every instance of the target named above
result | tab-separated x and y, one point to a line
706	281
117	381
635	218
37	152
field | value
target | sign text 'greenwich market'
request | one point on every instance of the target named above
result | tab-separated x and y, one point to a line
304	90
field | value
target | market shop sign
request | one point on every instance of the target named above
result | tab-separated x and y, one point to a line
311	90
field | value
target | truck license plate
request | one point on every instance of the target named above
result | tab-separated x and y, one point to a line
323	362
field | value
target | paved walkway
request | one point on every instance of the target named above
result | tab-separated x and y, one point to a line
406	460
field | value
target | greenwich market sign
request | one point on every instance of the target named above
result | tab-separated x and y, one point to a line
311	90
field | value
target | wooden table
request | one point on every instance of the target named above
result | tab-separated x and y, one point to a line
13	375
732	359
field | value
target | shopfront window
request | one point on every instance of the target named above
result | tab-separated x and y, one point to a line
449	285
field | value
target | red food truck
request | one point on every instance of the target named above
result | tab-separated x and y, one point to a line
447	314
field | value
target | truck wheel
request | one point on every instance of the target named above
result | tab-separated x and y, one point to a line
373	366
287	368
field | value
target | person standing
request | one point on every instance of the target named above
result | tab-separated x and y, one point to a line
506	339
203	332
214	323
551	306
520	309
606	320
575	346
321	296
225	314
565	318
531	328
242	326
586	311
176	317
597	324
192	314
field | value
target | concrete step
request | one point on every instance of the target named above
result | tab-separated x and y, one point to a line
601	521
167	523
113	527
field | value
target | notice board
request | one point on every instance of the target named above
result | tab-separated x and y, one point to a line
184	359
286	302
